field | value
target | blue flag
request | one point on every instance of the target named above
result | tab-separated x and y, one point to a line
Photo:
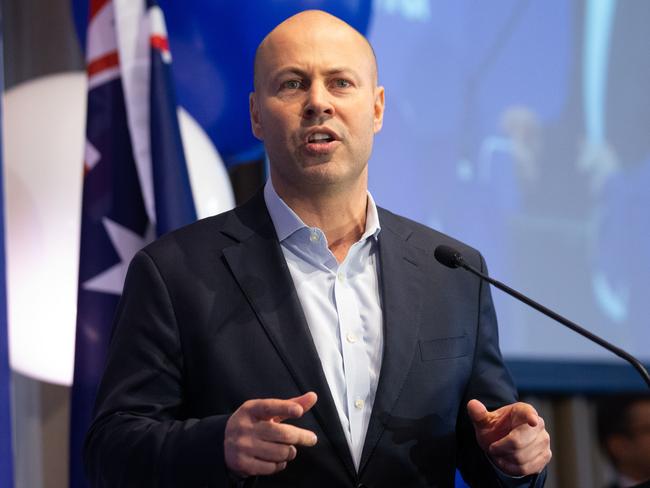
136	183
6	453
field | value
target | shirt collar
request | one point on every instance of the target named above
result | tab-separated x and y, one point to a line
287	222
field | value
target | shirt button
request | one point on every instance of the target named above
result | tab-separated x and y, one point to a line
358	404
341	276
351	338
314	237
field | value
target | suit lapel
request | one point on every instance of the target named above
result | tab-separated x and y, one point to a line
402	284
259	267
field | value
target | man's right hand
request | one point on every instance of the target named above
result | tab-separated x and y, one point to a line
257	443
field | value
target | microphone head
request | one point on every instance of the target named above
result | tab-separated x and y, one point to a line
448	256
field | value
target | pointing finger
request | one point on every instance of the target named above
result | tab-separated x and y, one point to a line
306	401
270	408
524	413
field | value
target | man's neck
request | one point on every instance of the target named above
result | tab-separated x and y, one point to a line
340	215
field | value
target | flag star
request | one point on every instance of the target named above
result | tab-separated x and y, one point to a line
126	244
91	156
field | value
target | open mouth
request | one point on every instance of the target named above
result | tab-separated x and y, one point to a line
321	142
320	137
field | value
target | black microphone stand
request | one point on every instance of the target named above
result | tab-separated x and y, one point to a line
453	259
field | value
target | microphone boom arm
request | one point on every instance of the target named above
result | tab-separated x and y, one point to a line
460	262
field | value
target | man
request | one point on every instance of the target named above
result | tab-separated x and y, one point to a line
623	424
308	338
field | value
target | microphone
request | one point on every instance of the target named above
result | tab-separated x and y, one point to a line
448	256
452	258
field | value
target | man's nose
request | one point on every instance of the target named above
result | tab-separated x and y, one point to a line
318	102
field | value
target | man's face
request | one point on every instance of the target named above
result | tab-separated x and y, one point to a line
316	104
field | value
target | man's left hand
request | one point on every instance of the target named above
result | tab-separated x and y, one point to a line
513	436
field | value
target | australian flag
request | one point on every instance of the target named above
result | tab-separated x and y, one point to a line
136	183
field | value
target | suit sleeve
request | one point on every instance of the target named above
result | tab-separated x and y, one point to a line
140	436
492	384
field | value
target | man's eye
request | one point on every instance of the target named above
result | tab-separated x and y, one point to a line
292	84
341	83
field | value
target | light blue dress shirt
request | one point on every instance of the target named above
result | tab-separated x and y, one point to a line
341	302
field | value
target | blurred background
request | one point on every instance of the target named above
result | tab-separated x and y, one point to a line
519	126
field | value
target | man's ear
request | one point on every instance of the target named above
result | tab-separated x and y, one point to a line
379	108
256	124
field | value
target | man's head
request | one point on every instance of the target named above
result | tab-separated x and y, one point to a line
316	103
623	424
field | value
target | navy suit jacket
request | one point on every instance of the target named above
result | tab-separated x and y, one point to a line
210	318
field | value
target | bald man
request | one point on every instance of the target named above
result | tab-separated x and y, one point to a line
308	337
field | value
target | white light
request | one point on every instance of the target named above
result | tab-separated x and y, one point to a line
43	168
44	144
208	176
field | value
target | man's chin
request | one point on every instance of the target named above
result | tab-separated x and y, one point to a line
329	175
311	161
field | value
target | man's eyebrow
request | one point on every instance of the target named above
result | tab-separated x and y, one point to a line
291	70
342	70
294	70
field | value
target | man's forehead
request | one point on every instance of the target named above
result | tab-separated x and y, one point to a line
307	55
307	33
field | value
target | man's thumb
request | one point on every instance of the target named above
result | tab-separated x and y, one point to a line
478	414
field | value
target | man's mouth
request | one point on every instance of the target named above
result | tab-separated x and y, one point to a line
320	137
321	142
